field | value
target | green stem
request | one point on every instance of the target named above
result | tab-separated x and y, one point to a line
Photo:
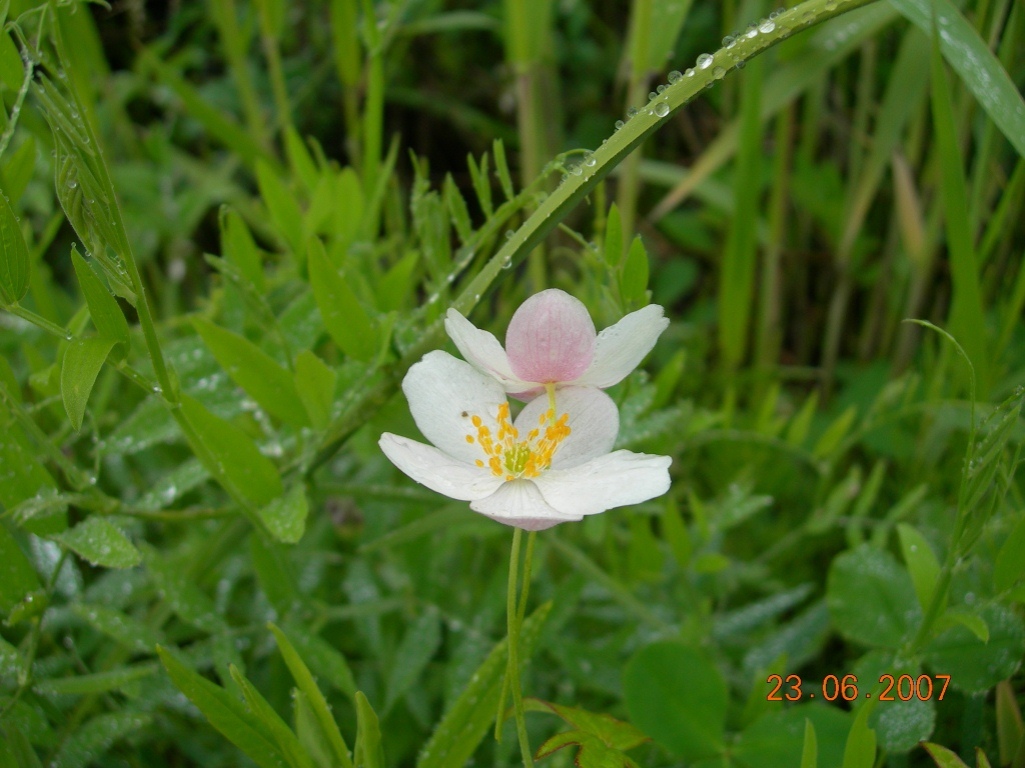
40	321
512	670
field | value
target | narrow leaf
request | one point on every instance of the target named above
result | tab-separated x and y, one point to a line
82	362
225	713
920	561
304	680
315	382
103	308
276	728
369	752
344	317
285	517
270	385
230	455
17	576
14	262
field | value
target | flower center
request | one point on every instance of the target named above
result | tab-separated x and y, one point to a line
508	456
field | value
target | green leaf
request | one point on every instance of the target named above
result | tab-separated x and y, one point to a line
14	261
1010	565
834	433
971	57
861	742
121	628
285	517
304	680
101	543
287	743
103	308
231	456
418	646
871	599
307	730
778	739
225	713
943	757
971	621
98	682
1010	729
920	561
91	740
810	750
634	281
967	318
592	752
239	248
472	715
273	571
15	748
21	166
975	666
676	694
299	159
369	752
284	210
82	362
344	317
326	662
182	595
270	385
612	732
315	382
17	576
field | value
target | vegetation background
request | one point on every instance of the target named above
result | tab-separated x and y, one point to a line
228	228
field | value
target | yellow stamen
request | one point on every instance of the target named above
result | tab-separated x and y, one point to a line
510	458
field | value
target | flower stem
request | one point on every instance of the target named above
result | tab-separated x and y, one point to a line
514	619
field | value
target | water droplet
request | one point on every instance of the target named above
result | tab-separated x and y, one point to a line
689	73
675	76
632	112
576	170
741	64
704	61
718	73
661	109
729	41
767	26
751	31
661	88
830	5
619	124
72	184
652	96
589	160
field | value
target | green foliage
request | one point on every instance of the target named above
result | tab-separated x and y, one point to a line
226	234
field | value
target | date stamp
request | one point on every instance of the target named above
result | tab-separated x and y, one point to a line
902	688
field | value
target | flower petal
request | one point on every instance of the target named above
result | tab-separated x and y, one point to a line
519	503
444	395
593	422
612	480
437	470
482	350
621	347
550	338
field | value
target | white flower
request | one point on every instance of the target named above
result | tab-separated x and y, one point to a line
551	340
549	466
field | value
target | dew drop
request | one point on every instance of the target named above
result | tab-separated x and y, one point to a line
689	73
751	31
675	76
718	73
619	124
704	61
631	112
661	88
661	109
589	160
767	26
72	184
741	64
729	41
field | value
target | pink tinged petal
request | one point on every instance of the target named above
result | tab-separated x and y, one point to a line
613	480
444	394
550	338
482	350
437	470
593	423
621	347
519	503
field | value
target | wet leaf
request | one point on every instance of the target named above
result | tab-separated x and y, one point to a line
82	362
101	543
14	262
285	517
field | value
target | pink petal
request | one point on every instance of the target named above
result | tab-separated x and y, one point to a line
550	338
482	350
